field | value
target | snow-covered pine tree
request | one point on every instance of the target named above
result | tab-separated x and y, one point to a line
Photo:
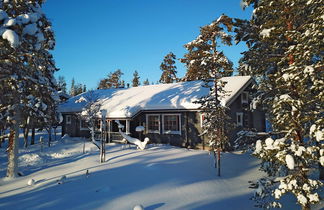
135	81
146	82
169	73
61	84
285	55
113	80
27	84
72	90
203	54
205	62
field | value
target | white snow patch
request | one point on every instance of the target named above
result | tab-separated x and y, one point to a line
258	146
266	32
322	160
138	207
12	38
290	162
10	22
31	182
302	199
319	135
313	197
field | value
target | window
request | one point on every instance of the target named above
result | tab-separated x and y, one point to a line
83	125
68	119
171	123
239	119
244	97
202	120
153	123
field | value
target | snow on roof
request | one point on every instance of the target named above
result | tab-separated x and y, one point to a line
125	103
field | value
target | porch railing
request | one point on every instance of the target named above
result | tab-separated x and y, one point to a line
109	136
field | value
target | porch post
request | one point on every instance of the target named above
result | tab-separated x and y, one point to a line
127	127
109	131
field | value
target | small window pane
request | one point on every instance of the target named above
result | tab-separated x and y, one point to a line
153	122
171	123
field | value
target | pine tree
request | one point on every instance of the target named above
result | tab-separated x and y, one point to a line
203	56
211	65
146	82
84	89
168	69
27	84
113	80
135	81
122	84
61	84
72	90
285	55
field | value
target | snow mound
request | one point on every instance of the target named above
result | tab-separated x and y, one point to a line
31	182
138	207
30	160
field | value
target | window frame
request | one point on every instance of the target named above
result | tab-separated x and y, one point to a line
68	122
147	124
83	128
245	97
178	132
239	114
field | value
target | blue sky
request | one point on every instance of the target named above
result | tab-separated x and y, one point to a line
96	37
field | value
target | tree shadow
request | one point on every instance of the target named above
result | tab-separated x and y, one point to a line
123	184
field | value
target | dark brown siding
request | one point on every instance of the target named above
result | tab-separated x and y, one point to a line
73	129
189	136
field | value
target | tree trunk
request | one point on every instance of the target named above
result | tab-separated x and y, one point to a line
32	140
12	169
54	133
307	207
49	136
218	161
26	131
1	137
321	171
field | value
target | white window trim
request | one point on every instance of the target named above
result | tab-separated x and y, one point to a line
82	128
147	124
169	131
246	100
241	116
68	122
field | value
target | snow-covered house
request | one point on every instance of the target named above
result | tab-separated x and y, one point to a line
167	112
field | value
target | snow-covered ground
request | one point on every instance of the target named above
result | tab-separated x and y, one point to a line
160	177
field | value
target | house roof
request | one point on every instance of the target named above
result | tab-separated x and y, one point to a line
125	103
